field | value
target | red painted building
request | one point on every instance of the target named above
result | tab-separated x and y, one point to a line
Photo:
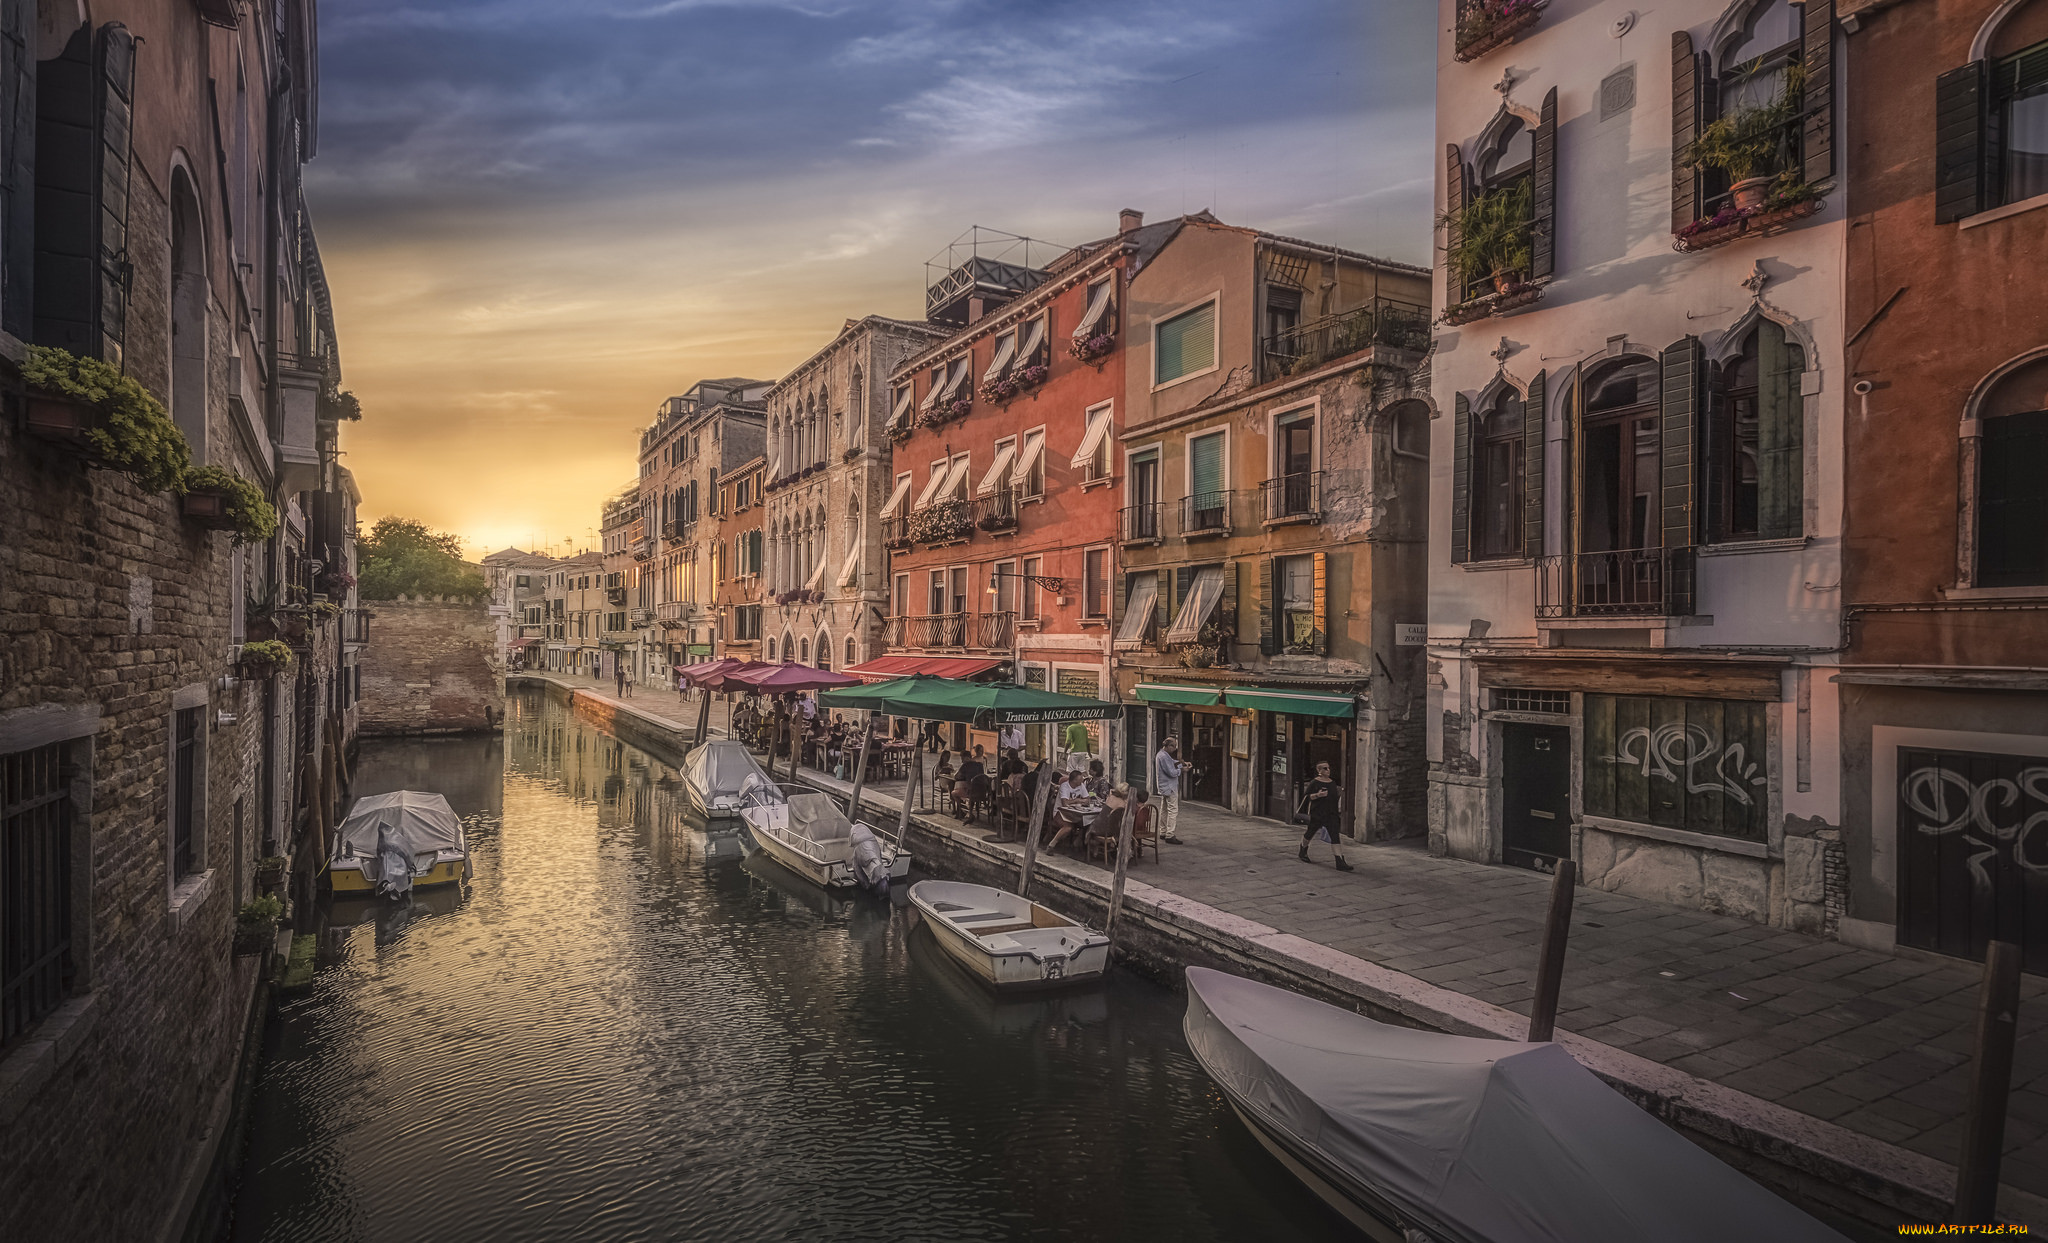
1001	519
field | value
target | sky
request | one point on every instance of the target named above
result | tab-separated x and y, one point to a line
541	218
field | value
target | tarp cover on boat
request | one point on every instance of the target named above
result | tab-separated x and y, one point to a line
1480	1141
818	818
719	770
397	828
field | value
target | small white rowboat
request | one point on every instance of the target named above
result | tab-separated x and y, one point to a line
1010	943
804	831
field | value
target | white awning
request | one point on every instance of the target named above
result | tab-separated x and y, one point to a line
994	480
956	379
1194	611
902	410
1098	429
1001	362
1098	307
956	478
851	570
897	497
1138	610
1034	447
931	486
817	576
931	395
1033	342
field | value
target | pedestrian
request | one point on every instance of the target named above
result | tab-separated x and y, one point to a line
1167	768
628	685
1078	738
1323	798
619	678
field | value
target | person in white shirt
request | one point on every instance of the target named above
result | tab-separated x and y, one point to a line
1167	768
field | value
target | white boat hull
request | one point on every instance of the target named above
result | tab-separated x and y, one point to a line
1018	945
833	871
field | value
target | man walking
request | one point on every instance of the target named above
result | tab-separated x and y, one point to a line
619	677
1322	797
1166	773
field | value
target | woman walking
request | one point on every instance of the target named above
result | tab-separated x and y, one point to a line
1323	797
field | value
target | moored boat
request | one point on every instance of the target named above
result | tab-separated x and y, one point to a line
716	775
391	843
1011	944
1458	1139
804	831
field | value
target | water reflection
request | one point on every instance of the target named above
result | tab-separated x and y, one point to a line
621	1029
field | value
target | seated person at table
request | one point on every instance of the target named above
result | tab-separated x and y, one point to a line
971	770
1098	784
945	777
1115	805
1072	789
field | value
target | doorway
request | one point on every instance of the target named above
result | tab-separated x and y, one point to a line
1536	794
1205	743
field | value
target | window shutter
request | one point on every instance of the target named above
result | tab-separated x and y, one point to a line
1678	429
18	176
1206	475
1461	480
1818	54
1183	578
1226	605
1162	610
1959	98
117	114
1454	205
1543	240
1532	467
1780	513
1123	595
1321	635
1266	605
1685	126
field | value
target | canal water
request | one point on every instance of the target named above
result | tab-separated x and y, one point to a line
624	1029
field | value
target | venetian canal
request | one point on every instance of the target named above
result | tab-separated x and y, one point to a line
624	1029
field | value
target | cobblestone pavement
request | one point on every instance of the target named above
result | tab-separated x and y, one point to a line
1871	1042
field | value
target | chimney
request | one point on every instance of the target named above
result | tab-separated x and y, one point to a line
1128	220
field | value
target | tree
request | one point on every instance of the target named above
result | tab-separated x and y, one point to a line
402	557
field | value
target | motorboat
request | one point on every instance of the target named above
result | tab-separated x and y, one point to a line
714	775
391	843
1008	942
1416	1135
804	830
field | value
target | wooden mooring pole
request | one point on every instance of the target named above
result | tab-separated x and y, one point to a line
860	767
1550	967
1041	791
1998	1006
1123	863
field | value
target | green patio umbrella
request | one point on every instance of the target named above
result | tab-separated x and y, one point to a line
985	704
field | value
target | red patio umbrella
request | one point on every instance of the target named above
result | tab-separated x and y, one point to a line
776	679
711	670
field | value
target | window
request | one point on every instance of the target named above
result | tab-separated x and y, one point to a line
1002	586
1497	479
937	597
1184	345
1779	58
1141	607
851	653
1029	476
522	580
1200	592
804	651
1027	591
36	967
2012	480
1619	504
1504	179
2019	126
1755	424
900	597
771	649
1208	501
956	589
1296	579
1692	764
186	796
1095	583
1283	316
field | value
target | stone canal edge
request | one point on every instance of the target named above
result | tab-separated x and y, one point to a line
1813	1161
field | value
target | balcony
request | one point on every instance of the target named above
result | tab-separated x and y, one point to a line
993	632
641	617
1293	498
935	630
896	534
942	522
988	632
1382	323
1630	582
998	512
670	612
1141	524
671	529
643	548
355	625
1205	514
893	630
615	595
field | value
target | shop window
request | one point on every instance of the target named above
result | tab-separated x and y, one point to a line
1691	764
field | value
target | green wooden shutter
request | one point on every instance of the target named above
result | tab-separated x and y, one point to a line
1187	344
117	115
1461	480
1959	124
1686	119
1226	604
1320	637
1162	607
1267	604
1684	363
1123	596
1780	424
1532	467
1183	580
1817	53
1543	242
1454	206
1205	473
18	176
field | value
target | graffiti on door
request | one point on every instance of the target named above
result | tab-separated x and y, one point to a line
1996	815
1973	851
1677	751
1693	764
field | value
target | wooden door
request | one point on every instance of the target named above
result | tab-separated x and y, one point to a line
1536	792
1973	852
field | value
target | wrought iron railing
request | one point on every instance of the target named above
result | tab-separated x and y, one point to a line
1293	496
941	522
892	631
896	533
1204	514
1629	582
1141	522
997	512
1380	323
355	625
936	630
993	632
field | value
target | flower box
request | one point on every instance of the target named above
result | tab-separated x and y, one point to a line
209	507
60	419
1514	299
1495	26
1730	224
942	523
1000	390
1028	378
1093	348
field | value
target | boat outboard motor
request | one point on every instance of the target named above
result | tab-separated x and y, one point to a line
394	870
868	866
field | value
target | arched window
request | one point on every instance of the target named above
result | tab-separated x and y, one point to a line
824	650
804	650
856	409
1497	478
771	649
851	658
788	646
2012	479
1756	55
188	313
1755	470
1622	439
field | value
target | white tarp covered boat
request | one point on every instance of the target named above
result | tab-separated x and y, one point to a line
391	842
717	773
1010	943
1458	1139
805	831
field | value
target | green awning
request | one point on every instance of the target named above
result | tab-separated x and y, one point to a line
699	649
1300	703
1178	693
982	704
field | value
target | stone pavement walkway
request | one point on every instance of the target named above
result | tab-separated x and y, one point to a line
1874	1043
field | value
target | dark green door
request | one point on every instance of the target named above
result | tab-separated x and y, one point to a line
1536	793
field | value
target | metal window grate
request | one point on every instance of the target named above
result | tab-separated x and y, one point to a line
1531	701
35	886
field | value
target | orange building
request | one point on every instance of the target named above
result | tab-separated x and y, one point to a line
736	559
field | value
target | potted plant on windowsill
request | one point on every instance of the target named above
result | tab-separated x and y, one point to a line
1493	23
263	657
1752	146
110	417
1093	348
1495	244
256	926
221	499
1000	390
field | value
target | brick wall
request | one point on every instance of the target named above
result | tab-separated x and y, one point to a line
430	668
